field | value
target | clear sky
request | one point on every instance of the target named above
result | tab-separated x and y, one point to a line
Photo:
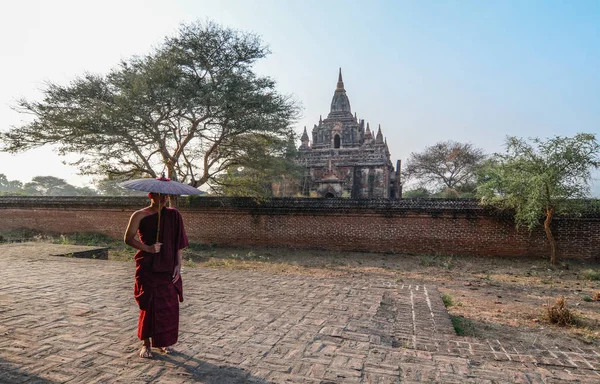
427	71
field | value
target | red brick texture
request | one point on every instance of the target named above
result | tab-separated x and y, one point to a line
417	227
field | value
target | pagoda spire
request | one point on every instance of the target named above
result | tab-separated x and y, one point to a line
340	83
304	135
340	103
304	140
379	137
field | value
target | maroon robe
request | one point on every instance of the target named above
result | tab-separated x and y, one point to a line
156	294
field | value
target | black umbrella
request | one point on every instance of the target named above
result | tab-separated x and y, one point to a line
162	186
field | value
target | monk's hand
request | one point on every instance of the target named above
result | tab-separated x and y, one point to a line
176	273
155	248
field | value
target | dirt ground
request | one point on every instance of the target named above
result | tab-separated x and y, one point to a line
494	298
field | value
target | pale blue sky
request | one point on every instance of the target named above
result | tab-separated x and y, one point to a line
427	71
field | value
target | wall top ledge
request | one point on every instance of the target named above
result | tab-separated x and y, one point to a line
468	207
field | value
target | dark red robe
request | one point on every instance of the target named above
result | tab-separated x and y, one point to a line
155	293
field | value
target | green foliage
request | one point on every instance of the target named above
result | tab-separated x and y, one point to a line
417	193
193	106
540	178
88	239
446	193
267	165
49	186
249	256
462	326
10	187
449	193
109	186
444	165
590	274
531	178
43	186
449	301
64	240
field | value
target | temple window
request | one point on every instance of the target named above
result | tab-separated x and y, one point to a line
336	141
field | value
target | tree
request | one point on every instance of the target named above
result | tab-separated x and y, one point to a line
190	107
444	165
417	193
266	164
10	187
540	178
110	187
54	186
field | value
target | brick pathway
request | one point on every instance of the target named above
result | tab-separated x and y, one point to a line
74	320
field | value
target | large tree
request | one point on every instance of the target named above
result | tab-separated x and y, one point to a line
191	107
540	178
445	165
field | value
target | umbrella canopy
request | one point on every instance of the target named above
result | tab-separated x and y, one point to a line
161	185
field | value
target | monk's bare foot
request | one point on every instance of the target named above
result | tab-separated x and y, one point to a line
166	350
146	352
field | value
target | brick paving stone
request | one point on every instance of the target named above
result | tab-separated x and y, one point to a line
74	320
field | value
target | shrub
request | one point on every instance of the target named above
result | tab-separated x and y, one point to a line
449	301
462	326
590	274
559	313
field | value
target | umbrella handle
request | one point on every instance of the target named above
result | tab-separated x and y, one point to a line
158	225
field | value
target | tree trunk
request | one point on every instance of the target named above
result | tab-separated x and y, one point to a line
549	214
172	174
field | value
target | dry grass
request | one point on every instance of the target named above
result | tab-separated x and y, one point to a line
559	313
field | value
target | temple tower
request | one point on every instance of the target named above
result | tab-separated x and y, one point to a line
344	159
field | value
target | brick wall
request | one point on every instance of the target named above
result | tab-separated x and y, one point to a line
444	227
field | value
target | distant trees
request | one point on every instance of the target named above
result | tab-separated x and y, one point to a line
43	186
194	107
540	178
447	168
110	187
416	193
10	186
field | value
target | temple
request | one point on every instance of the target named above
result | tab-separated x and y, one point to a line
345	158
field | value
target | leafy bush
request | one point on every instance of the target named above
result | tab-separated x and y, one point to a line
449	301
462	326
590	274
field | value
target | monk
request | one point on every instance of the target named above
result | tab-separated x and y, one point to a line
158	286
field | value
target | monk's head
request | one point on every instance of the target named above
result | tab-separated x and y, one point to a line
158	198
